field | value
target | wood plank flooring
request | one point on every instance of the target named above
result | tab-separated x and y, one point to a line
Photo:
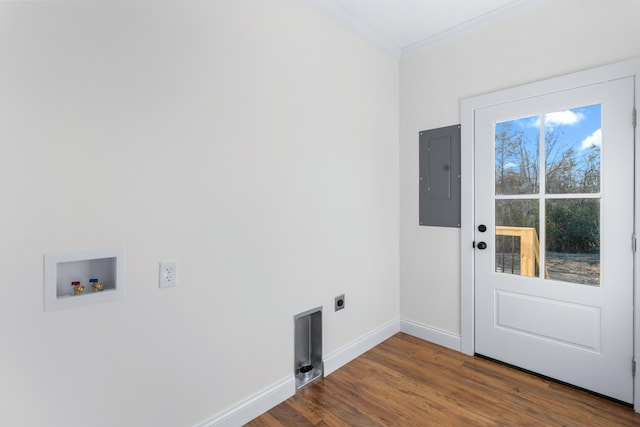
406	381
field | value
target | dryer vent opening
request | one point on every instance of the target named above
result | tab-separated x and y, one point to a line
308	346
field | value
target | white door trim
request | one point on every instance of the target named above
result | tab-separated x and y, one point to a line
467	112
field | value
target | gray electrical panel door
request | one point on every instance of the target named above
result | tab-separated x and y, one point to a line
440	177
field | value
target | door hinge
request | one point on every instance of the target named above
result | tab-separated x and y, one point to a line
633	367
634	243
634	119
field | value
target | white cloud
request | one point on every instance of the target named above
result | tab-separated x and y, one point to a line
534	122
511	165
593	140
560	118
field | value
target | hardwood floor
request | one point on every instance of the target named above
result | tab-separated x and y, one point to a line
409	382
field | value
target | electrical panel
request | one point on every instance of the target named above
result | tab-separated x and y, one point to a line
440	177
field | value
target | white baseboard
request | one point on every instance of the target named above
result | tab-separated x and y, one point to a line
277	393
346	354
428	333
254	406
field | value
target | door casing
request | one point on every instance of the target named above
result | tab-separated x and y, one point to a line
630	68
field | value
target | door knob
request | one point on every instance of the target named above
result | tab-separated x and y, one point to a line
482	245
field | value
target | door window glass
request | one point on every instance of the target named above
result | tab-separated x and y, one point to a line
561	212
517	244
518	156
573	240
572	150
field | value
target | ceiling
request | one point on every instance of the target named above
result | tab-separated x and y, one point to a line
402	26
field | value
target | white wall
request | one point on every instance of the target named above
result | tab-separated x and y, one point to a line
255	143
555	38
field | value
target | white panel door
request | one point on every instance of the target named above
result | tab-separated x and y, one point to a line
553	232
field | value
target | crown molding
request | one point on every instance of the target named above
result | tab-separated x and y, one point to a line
507	11
338	15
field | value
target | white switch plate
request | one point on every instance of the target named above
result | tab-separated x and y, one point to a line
167	274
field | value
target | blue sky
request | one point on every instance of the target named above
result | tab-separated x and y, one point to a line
578	127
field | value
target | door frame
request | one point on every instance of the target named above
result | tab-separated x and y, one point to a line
630	68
